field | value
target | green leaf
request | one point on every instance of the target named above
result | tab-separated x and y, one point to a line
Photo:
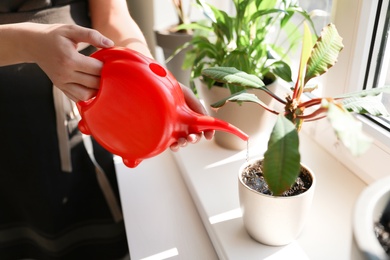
223	26
325	52
281	164
282	70
237	59
193	26
261	4
233	76
201	48
365	101
307	17
207	11
239	97
364	93
305	54
189	60
367	105
294	37
264	12
286	18
347	129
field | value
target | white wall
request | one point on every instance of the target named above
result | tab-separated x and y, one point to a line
142	12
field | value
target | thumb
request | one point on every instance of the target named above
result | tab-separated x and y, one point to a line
92	37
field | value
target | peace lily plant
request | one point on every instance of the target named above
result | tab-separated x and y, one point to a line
281	165
257	39
182	15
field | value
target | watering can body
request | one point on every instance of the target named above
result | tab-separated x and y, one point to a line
140	110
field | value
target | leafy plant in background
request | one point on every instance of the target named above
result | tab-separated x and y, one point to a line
256	39
282	158
182	15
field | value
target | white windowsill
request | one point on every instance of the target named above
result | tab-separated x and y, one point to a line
210	173
160	218
192	211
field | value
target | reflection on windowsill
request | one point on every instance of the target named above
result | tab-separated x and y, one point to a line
291	251
163	255
228	215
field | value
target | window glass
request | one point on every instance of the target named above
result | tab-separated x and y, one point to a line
378	69
321	9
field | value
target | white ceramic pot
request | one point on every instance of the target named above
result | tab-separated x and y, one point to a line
368	209
249	117
271	220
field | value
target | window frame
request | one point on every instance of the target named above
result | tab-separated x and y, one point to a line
355	23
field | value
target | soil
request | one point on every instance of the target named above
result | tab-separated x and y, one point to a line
382	229
383	236
253	178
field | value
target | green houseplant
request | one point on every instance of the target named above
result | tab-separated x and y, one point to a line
182	15
370	222
281	166
257	39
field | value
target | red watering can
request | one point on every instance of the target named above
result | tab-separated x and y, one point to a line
139	110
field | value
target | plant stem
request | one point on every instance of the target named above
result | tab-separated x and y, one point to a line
310	103
273	95
312	116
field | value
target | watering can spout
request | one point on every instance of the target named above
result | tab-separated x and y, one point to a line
210	123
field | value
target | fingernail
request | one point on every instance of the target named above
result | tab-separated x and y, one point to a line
107	42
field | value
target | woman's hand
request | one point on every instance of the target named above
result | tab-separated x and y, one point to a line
55	49
195	105
56	53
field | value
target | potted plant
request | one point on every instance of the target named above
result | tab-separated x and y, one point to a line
281	168
171	39
257	39
371	220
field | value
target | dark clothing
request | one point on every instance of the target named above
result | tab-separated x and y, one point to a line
46	213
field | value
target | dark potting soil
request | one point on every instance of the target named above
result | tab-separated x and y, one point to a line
383	236
382	229
254	179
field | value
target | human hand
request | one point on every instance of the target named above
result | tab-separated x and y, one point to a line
195	105
54	49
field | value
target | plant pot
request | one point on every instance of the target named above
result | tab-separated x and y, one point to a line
273	220
368	210
249	117
169	42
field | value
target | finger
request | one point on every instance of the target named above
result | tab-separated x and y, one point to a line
69	95
192	101
175	147
80	34
88	65
181	142
77	92
209	134
194	138
86	80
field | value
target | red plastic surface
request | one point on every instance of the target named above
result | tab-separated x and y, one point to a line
139	110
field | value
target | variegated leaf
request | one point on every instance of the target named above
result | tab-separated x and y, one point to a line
368	105
348	129
325	52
